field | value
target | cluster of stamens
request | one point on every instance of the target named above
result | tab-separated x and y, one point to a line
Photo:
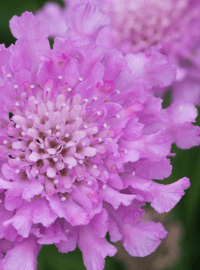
56	139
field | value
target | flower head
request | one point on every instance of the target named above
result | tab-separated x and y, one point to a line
81	141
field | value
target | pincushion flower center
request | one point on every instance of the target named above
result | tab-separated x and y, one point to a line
55	138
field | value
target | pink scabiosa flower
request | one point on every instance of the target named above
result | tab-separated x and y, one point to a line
81	140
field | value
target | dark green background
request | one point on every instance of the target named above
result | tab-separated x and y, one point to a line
186	163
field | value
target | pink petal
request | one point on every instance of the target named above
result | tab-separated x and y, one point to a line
34	188
116	198
52	235
165	197
42	213
94	249
153	169
28	27
70	244
68	209
54	15
88	19
143	238
22	256
21	221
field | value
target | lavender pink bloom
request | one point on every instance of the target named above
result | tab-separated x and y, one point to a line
82	139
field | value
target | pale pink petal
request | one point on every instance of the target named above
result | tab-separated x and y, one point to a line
32	190
71	243
114	197
94	249
143	238
36	29
153	169
55	16
165	197
42	213
88	19
68	209
21	221
52	235
22	256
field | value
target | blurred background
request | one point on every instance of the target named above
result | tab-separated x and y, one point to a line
181	248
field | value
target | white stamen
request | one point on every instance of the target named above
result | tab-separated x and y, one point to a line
181	108
42	146
100	140
17	171
36	172
77	118
70	167
67	135
133	173
48	89
83	143
46	113
17	126
95	98
86	100
8	75
17	103
105	125
36	101
118	115
60	77
23	133
17	158
55	159
58	133
5	142
94	166
125	151
80	79
15	86
89	183
85	126
80	161
32	86
49	131
63	199
69	89
57	126
98	112
118	91
63	104
104	186
56	181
